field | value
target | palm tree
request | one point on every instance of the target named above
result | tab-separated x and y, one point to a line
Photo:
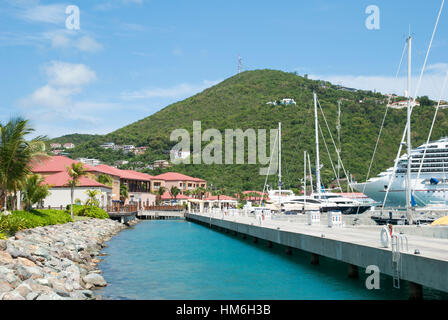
219	193
75	171
105	179
187	193
124	193
34	190
159	194
92	201
174	192
200	191
16	155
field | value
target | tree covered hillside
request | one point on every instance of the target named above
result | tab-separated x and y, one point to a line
241	102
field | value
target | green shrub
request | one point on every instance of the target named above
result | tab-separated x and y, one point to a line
3	236
88	211
95	212
20	220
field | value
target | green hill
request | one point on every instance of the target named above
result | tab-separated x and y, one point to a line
240	102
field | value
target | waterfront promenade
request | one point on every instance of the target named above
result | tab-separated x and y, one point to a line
358	246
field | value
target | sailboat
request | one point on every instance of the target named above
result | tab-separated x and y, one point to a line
277	197
281	200
327	201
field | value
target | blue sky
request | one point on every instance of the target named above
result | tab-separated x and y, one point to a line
130	58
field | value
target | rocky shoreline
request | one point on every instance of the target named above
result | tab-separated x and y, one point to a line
57	262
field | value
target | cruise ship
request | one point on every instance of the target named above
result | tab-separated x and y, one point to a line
429	188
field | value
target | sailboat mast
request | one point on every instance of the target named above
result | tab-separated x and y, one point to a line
318	186
280	164
338	127
311	174
408	128
304	178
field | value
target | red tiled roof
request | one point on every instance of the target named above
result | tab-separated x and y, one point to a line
175	176
167	196
62	179
258	192
54	164
138	175
123	174
103	168
223	197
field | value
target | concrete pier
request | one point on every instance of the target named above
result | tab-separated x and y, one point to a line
160	215
359	247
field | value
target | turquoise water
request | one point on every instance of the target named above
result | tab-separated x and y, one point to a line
182	260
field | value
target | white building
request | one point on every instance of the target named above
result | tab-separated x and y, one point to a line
54	171
69	145
179	154
90	162
108	145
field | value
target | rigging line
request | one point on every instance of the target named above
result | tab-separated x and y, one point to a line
430	130
382	123
427	53
392	175
416	92
269	168
334	144
331	161
306	119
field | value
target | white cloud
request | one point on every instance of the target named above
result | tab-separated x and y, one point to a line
50	97
112	4
431	84
65	80
68	39
64	74
176	92
88	44
33	11
178	52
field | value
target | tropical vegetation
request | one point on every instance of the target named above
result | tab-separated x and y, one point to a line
34	190
19	220
75	171
241	102
16	156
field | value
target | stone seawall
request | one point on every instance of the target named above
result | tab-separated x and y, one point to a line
57	262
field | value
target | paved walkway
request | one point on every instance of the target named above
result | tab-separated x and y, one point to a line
433	248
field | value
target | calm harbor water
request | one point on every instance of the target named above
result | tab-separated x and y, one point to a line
182	260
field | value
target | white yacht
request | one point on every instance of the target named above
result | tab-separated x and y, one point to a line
327	202
430	187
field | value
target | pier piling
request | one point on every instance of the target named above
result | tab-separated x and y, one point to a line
353	271
415	291
314	259
353	246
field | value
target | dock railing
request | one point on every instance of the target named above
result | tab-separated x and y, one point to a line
117	208
163	208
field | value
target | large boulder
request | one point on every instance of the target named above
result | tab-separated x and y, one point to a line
6	258
95	279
